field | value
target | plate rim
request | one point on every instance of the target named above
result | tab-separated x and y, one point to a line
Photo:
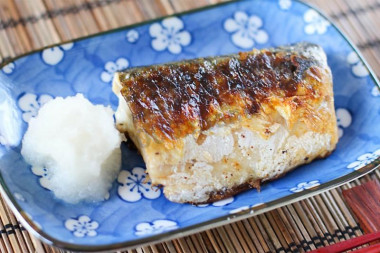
31	226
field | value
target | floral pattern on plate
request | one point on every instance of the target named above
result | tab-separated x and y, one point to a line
8	69
81	227
219	203
111	67
132	36
31	103
170	35
315	23
358	69
344	120
44	175
155	227
304	186
285	4
134	186
244	208
134	210
54	55
364	160
246	30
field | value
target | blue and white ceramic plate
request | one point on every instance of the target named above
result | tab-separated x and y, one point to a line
132	216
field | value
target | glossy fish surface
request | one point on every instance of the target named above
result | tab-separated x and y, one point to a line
209	128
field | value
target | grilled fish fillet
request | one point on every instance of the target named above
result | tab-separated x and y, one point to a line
211	127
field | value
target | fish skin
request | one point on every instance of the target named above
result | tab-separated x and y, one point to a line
162	107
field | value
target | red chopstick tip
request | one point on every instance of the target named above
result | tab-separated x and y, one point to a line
353	243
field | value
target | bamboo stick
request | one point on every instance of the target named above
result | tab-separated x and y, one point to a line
291	227
253	236
5	218
257	230
218	240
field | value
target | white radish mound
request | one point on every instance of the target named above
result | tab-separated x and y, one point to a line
79	145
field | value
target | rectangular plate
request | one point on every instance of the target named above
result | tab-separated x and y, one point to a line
129	218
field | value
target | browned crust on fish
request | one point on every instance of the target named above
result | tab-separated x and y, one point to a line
171	104
219	195
171	101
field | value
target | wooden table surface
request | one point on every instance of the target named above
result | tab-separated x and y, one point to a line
308	224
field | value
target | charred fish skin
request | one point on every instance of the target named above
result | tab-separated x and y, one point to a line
208	126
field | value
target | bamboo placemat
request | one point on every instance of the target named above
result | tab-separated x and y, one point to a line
314	222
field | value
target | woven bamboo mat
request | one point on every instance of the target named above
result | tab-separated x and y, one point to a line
315	222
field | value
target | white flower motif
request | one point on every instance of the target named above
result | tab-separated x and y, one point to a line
8	69
222	202
257	204
285	4
30	104
135	185
45	176
357	66
82	227
375	91
132	36
304	185
111	67
246	30
169	35
155	227
364	160
240	209
344	120
19	196
54	55
315	22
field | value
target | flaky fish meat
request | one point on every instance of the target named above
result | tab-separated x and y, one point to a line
212	127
